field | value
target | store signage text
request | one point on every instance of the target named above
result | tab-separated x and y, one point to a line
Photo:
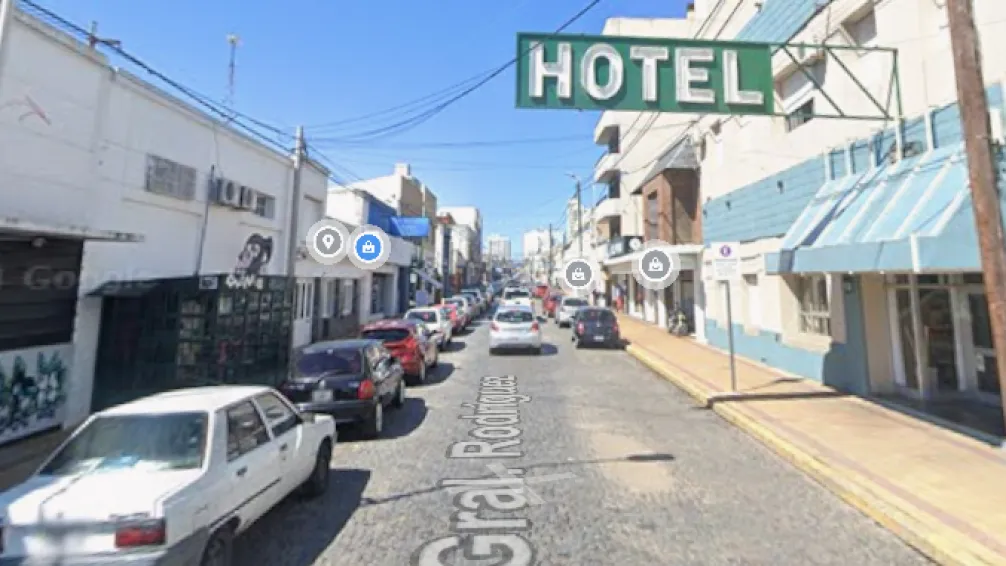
625	73
237	281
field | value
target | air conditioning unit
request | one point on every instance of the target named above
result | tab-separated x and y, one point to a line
249	198
228	193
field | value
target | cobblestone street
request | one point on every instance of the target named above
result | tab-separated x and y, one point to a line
644	477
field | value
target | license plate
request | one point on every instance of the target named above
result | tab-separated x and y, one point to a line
322	396
598	338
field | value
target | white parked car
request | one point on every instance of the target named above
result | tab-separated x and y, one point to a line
433	319
469	306
567	308
167	479
516	296
514	327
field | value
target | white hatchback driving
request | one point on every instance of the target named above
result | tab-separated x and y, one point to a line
567	308
515	327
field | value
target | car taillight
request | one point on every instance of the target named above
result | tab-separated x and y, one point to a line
494	327
148	533
366	390
579	328
534	326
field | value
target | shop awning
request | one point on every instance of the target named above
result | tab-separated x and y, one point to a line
409	227
433	282
687	253
904	217
125	288
26	227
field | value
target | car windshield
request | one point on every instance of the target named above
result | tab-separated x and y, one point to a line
517	295
386	334
422	316
514	316
160	442
597	315
574	303
333	361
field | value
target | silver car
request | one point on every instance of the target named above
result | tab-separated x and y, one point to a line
435	322
567	308
514	327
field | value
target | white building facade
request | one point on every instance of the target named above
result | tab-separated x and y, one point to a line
144	245
860	261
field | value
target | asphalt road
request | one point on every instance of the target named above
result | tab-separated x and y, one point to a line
643	477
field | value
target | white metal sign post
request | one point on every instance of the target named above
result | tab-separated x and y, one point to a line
726	266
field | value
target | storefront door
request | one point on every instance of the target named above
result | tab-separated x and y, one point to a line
979	353
939	352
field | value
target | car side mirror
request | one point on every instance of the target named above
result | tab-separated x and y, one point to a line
307	418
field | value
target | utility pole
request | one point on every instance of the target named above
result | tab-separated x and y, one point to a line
293	237
551	268
234	41
579	219
6	17
973	103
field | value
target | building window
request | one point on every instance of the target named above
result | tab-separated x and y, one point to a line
305	300
864	30
265	206
38	298
377	288
165	177
815	311
652	217
803	114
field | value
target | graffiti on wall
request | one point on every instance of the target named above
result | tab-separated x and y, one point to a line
255	255
33	385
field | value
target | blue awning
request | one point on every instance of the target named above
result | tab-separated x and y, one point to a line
892	218
410	227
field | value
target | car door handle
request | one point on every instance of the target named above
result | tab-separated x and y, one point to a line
242	471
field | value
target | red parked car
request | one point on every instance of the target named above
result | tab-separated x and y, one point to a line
550	303
408	342
452	310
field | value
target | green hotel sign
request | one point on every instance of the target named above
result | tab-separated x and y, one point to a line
644	74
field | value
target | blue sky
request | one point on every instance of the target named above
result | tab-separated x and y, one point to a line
314	62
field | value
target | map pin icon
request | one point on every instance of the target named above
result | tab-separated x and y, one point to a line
328	240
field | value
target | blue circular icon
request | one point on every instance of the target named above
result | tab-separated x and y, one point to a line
368	247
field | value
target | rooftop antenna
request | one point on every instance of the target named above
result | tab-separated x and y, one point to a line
93	40
234	41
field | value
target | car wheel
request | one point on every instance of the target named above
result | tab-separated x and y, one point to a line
317	484
436	360
219	549
538	351
400	395
374	424
422	373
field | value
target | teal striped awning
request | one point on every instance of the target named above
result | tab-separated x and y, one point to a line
890	218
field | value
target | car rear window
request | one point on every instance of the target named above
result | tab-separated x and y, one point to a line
514	316
423	316
517	295
574	303
171	441
593	315
333	361
386	334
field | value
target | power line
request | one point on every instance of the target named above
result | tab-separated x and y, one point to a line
410	123
226	114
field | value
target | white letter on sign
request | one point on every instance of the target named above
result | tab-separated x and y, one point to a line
560	69
588	71
686	75
732	92
649	55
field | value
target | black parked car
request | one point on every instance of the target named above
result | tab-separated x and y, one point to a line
596	326
351	380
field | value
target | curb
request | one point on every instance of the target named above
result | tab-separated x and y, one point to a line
930	537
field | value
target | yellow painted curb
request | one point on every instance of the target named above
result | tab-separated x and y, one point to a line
934	539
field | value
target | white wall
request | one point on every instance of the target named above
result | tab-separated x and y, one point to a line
76	135
751	148
346	206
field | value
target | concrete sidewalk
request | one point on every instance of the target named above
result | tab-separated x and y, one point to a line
942	492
